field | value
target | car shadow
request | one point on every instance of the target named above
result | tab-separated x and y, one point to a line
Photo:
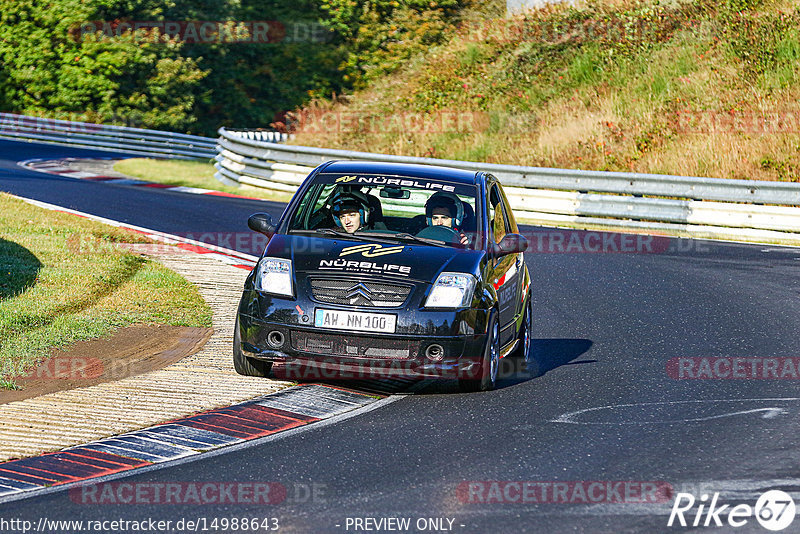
548	354
19	268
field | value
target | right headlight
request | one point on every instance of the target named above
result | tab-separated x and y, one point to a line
274	275
451	290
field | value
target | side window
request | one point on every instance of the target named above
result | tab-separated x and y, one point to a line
511	226
498	224
303	211
308	214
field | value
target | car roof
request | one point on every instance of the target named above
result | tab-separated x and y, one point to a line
430	172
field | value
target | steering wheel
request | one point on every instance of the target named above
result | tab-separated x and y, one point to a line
454	236
440	233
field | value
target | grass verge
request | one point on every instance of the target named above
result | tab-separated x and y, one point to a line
189	174
63	280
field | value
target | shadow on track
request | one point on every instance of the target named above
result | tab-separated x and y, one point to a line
548	354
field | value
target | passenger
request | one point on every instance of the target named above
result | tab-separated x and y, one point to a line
351	211
446	209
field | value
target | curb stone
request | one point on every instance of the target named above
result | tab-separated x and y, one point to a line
189	436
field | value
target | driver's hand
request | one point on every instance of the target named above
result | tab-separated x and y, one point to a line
464	239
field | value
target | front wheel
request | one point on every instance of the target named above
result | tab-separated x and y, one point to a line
244	365
489	364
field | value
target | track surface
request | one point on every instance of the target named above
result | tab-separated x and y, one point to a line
605	326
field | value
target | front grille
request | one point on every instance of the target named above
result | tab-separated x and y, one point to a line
354	346
357	293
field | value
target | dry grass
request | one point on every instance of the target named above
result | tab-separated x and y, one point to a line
571	106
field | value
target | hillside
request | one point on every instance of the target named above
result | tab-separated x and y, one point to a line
683	87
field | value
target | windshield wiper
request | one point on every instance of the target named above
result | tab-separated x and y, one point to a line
376	235
331	231
424	240
327	231
381	236
358	234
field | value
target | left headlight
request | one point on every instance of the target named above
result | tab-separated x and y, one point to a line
451	290
274	275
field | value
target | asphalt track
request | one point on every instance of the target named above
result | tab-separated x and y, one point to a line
605	409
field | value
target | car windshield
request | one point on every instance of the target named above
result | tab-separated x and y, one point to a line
401	208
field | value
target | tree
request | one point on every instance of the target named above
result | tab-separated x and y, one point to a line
380	35
55	64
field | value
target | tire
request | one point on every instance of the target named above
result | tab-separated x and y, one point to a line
490	363
244	365
524	349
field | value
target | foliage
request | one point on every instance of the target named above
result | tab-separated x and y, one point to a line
52	64
52	68
379	36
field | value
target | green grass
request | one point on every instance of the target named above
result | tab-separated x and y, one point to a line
586	68
189	174
786	69
62	280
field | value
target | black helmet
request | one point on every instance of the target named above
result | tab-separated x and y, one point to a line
350	201
449	201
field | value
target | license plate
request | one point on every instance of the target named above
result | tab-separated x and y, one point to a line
355	321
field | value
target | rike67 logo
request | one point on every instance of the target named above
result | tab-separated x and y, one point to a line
774	510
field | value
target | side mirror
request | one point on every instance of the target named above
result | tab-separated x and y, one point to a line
261	223
511	244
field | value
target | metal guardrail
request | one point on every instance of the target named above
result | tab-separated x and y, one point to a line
106	137
260	135
732	209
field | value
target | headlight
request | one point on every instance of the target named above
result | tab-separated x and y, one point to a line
451	290
274	275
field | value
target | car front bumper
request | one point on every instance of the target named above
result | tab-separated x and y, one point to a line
459	334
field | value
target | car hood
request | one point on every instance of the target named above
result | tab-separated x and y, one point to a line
370	257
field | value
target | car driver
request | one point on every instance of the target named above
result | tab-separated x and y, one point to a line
351	212
446	209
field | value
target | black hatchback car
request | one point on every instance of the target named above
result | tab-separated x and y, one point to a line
382	269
